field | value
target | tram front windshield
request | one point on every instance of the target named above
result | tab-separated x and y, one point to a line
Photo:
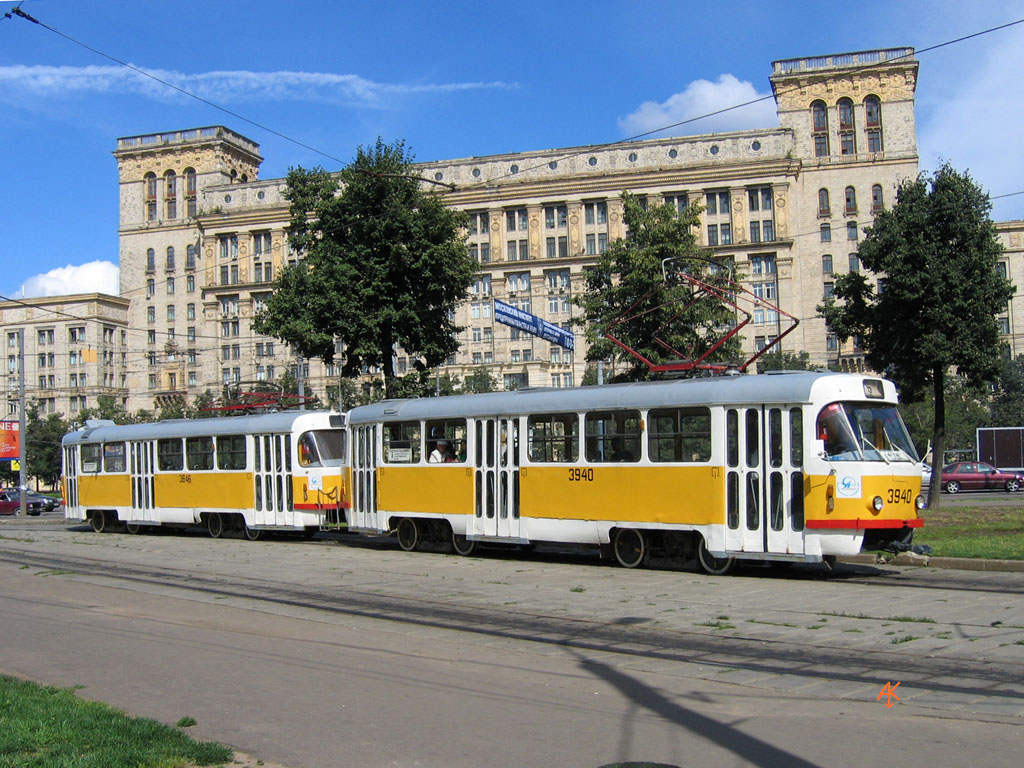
864	432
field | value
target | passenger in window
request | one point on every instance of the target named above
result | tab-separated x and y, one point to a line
620	452
442	454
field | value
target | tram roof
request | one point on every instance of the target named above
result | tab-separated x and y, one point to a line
227	425
775	387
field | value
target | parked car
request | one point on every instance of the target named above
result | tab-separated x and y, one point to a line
49	502
978	476
33	505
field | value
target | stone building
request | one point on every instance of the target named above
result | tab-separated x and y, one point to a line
76	348
202	238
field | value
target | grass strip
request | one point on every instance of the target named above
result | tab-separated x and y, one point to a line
42	727
978	532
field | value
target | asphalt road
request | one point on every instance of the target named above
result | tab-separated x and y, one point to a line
328	653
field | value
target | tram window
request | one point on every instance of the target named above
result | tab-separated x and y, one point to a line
796	495
554	437
776	500
680	434
113	457
733	500
753	501
775	437
257	454
169	455
402	442
287	452
90	458
796	437
199	452
452	430
732	428
613	436
330	445
231	452
753	439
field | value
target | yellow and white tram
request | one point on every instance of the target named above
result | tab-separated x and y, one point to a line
278	471
794	466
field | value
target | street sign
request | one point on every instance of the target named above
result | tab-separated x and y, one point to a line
506	314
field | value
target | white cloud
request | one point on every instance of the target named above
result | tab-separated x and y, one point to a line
229	86
703	97
94	277
974	122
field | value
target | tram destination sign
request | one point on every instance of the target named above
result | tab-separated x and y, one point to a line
506	314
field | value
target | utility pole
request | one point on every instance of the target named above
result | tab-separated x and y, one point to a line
23	437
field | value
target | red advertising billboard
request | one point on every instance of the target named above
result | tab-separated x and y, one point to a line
10	440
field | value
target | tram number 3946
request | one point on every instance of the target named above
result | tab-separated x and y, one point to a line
578	475
897	495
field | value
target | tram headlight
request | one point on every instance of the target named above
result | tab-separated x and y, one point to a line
919	502
877	503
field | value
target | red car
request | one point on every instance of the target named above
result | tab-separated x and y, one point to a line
978	476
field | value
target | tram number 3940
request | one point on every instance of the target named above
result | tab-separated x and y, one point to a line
577	475
896	495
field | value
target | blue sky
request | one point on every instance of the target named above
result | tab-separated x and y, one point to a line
452	79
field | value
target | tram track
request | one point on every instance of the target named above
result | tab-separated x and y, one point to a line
630	638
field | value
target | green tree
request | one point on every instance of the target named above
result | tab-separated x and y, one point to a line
42	448
1007	408
935	254
783	361
383	265
967	408
480	380
628	277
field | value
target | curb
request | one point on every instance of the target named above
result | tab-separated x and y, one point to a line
925	561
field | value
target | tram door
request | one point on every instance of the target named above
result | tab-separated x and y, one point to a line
141	467
273	480
71	482
496	463
364	480
764	481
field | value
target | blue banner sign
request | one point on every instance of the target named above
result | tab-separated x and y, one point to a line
506	314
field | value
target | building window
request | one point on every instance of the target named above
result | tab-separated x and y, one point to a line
190	284
479	222
516	220
190	191
190	257
851	230
170	286
1004	326
228	245
149	186
851	201
829	289
762	265
555	217
518	250
824	209
847	140
677	200
873	123
826	233
831	343
876	198
171	194
262	244
713	234
150	260
760	199
518	281
170	313
826	264
819	128
595	212
854	263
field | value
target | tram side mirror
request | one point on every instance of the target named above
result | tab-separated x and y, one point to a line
819	450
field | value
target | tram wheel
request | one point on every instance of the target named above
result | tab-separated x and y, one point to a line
714	566
252	534
132	528
98	521
630	547
408	534
215	525
461	545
